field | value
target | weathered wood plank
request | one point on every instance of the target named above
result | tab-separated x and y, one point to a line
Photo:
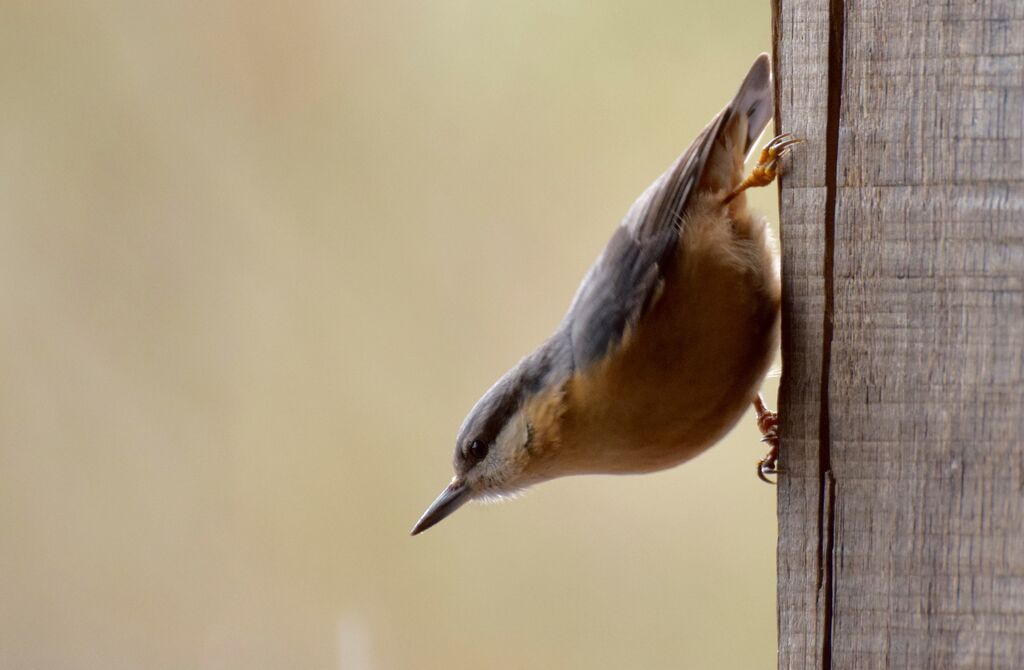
901	506
801	75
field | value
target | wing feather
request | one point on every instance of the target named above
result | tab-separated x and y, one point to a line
620	286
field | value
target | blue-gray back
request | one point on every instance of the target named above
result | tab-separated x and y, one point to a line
621	284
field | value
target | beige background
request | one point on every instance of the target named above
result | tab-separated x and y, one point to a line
258	260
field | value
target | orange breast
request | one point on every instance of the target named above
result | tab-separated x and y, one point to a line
692	366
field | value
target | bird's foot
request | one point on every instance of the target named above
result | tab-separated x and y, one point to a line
767	167
768	423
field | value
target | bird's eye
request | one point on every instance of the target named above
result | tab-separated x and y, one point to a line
478	449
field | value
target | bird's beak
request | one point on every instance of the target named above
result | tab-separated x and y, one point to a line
452	498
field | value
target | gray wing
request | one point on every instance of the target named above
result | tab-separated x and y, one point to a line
621	284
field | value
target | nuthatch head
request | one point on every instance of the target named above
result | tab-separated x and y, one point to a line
666	342
500	444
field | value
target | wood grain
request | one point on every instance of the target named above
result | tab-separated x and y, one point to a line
901	505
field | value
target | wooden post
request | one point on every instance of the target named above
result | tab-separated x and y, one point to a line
901	502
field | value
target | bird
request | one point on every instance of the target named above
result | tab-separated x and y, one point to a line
666	342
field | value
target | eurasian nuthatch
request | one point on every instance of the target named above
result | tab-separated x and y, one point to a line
667	341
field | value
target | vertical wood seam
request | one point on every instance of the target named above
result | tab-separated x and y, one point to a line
827	491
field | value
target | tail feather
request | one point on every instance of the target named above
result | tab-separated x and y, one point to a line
738	127
754	99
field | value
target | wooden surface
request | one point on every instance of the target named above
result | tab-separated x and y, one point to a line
901	505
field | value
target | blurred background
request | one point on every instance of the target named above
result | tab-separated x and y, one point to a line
259	259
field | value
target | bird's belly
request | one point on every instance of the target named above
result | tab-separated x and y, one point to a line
689	369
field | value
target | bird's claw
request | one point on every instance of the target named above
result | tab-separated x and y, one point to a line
768	424
769	464
767	167
768	163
